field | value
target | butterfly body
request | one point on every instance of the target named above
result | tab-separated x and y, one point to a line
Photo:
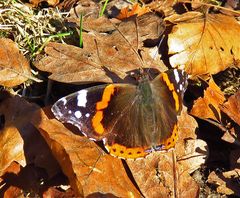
132	120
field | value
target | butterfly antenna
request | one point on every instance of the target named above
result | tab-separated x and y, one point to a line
157	51
102	65
130	45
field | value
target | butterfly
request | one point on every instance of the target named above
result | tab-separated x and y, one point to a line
132	120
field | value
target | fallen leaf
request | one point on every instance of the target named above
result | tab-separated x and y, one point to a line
155	176
66	5
88	169
226	182
208	106
14	67
50	2
88	8
232	107
104	58
165	7
58	192
134	9
204	45
6	189
20	141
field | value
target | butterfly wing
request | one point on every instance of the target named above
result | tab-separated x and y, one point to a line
168	90
109	112
93	110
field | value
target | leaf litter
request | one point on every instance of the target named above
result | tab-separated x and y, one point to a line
83	161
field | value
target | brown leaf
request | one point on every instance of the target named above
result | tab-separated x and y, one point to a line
20	141
88	169
232	107
14	67
226	182
204	45
104	58
155	176
50	2
58	192
134	9
88	8
10	190
208	106
165	7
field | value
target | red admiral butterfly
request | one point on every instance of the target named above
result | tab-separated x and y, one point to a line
132	120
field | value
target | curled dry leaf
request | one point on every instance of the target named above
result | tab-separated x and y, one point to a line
20	141
154	174
208	106
14	67
104	58
226	182
134	9
204	45
232	107
89	170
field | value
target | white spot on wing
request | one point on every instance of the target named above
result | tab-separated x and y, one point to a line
176	75
181	87
87	115
82	98
69	112
63	100
78	114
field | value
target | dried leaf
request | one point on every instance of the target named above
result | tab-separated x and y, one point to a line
88	8
50	2
104	58
204	45
226	182
208	106
14	67
20	141
155	176
134	9
165	7
88	169
11	190
232	107
58	192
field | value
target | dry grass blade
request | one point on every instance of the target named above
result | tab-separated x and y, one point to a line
29	28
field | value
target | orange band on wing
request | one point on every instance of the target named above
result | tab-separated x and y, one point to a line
171	88
171	141
108	92
96	122
100	106
121	151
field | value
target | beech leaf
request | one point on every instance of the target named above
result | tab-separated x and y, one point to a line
14	67
232	107
20	141
203	45
209	106
104	57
